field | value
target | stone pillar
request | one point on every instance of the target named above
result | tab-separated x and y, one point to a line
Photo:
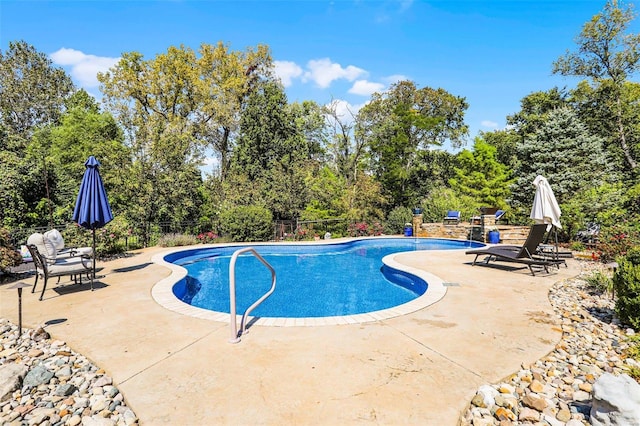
488	222
417	224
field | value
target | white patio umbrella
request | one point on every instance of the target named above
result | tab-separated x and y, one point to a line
545	207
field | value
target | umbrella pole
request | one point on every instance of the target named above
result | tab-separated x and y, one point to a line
94	256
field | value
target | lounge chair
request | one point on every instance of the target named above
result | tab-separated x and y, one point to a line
72	266
500	215
452	216
526	254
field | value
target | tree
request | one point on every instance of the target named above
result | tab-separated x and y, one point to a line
607	52
535	109
346	148
397	124
32	90
505	142
481	176
83	131
172	107
32	95
564	152
593	104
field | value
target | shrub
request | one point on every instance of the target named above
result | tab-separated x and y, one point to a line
9	256
396	220
626	282
599	281
208	237
617	240
363	229
577	246
175	240
247	223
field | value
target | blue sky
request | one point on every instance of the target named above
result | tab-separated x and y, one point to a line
493	53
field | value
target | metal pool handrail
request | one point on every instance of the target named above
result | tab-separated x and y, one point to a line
235	337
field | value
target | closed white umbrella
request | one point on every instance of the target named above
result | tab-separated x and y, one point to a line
545	207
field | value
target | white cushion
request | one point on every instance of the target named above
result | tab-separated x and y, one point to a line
56	238
44	246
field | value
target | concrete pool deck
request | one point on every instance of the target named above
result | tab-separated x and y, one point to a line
419	368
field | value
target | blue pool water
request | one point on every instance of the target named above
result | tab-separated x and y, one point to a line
312	280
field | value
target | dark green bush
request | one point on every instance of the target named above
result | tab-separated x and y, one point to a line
626	282
9	255
396	220
247	223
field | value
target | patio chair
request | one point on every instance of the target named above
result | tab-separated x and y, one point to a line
590	234
56	238
72	266
453	216
526	254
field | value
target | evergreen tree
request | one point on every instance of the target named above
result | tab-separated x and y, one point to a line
563	151
481	176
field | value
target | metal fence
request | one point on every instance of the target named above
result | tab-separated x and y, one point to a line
282	230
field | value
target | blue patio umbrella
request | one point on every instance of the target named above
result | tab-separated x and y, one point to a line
92	210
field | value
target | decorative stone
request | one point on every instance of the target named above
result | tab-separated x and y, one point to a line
504	414
616	401
11	376
536	386
563	415
36	377
534	402
528	415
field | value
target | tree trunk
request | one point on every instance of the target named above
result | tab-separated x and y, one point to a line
623	140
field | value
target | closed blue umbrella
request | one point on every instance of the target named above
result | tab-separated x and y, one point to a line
92	210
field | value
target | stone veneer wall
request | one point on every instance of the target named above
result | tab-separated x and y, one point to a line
515	235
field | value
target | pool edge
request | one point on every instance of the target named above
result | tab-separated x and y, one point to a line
162	293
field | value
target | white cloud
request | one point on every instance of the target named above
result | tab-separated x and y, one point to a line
345	111
287	71
365	88
323	72
84	68
395	78
489	124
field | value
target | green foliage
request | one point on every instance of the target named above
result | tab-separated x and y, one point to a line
599	204
110	239
396	220
481	177
177	240
563	151
23	107
599	281
398	124
608	55
247	223
577	246
442	199
9	255
626	282
618	240
534	111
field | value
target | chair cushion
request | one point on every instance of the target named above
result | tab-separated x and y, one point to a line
56	238
44	246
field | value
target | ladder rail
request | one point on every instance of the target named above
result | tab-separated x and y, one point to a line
235	337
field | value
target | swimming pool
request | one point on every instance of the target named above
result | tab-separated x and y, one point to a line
354	279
